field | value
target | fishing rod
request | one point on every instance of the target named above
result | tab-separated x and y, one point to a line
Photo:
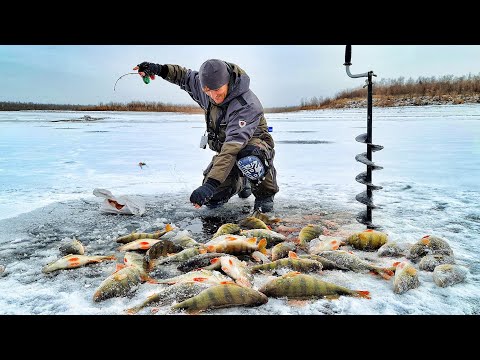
146	79
365	197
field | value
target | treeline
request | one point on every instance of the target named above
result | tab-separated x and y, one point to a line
112	106
443	86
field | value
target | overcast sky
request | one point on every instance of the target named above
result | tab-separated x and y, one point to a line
281	75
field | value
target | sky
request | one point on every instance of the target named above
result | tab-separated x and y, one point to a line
281	75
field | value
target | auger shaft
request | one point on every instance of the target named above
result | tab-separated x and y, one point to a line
365	197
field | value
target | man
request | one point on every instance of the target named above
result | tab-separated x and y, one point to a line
236	130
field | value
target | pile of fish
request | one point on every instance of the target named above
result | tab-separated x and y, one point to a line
221	272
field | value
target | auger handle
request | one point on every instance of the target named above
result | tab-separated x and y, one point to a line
348	55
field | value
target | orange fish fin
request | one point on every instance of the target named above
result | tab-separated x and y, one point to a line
214	260
74	264
119	266
211	248
202	250
269	227
252	240
363	294
396	263
168	227
262	246
335	247
292	255
199	279
368	230
292	273
73	259
226	282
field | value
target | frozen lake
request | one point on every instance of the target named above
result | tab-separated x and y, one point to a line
50	162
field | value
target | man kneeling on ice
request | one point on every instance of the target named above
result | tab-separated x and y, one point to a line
236	130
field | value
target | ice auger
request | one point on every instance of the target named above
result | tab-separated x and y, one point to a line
365	197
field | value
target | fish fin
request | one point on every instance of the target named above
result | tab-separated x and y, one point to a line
211	248
292	273
244	283
386	273
199	279
297	303
425	240
131	311
335	247
368	230
202	250
269	227
119	266
226	282
252	240
168	227
110	257
411	271
214	260
148	279
363	294
292	255
262	246
396	263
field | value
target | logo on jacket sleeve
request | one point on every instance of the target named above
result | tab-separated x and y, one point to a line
242	123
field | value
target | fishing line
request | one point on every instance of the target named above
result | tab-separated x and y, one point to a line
121	77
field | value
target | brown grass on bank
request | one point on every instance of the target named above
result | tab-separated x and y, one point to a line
447	88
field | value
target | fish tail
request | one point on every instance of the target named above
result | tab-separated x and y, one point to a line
363	294
385	273
262	246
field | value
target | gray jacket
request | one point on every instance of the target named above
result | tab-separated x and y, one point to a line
239	120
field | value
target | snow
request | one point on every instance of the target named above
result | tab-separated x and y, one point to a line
50	164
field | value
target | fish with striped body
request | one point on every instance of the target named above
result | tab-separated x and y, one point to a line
308	233
271	236
428	244
295	285
429	262
236	269
265	218
253	223
198	262
323	243
207	276
221	296
367	240
292	262
183	239
74	247
326	264
260	257
406	278
228	228
354	263
177	292
162	249
136	236
236	245
390	248
448	274
183	255
141	244
74	261
282	249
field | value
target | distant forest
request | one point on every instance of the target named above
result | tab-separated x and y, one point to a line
386	92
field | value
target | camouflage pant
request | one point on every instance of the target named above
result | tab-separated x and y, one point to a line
234	181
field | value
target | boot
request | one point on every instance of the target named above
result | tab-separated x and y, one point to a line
246	190
264	204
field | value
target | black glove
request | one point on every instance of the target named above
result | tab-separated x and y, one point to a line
202	194
150	68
